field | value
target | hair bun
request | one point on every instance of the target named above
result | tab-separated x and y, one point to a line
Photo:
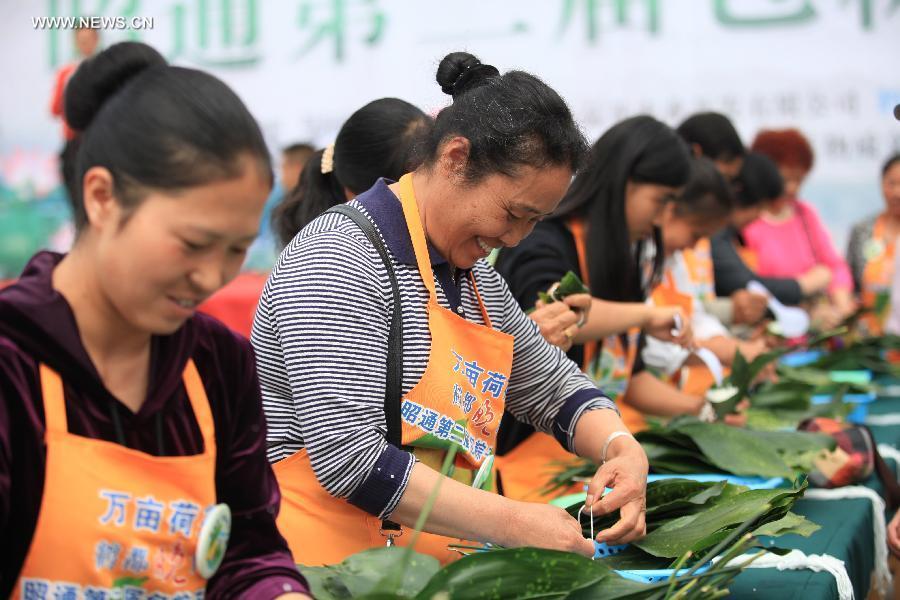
100	77
461	71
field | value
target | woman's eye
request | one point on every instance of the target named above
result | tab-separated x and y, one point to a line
193	246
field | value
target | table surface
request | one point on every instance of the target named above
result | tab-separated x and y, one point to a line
846	534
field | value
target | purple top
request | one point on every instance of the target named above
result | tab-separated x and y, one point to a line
37	325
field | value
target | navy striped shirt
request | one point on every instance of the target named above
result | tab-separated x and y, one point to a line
321	341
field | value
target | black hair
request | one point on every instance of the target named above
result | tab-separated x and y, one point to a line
890	162
715	134
378	140
640	150
67	168
758	182
155	126
298	148
511	120
707	193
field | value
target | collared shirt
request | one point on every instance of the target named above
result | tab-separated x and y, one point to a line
321	340
37	326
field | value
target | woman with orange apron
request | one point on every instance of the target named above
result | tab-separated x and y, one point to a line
620	267
703	207
131	429
871	252
877	275
362	436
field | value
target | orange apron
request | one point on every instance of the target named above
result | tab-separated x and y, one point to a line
876	279
529	467
748	255
692	379
458	401
114	517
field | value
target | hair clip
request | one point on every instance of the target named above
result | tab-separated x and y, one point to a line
328	159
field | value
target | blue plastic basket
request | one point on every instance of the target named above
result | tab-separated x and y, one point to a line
754	483
801	358
657	575
860	411
602	550
861	376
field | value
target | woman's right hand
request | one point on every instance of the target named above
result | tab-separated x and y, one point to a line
661	322
815	280
545	526
557	321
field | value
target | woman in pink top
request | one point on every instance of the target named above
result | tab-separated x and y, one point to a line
789	238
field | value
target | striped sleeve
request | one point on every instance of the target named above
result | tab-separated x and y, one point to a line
546	389
320	336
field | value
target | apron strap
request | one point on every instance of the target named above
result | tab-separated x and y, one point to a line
54	401
394	379
576	226
196	393
417	233
484	313
55	418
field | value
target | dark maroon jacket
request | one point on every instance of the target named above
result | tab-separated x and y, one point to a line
38	326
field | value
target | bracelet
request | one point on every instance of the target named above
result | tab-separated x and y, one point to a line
609	440
582	319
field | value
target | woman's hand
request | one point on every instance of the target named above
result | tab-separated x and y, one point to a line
558	322
844	303
662	320
752	348
581	304
748	308
893	534
545	526
626	474
825	316
738	419
815	280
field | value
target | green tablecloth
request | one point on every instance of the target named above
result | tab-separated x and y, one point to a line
846	534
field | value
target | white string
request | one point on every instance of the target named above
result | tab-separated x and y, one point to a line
882	572
580	510
796	560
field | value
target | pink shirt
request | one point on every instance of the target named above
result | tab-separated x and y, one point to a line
791	248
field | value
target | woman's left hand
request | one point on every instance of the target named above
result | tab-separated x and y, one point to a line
626	475
893	534
581	304
557	323
738	419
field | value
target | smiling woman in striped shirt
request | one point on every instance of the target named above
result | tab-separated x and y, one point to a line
361	417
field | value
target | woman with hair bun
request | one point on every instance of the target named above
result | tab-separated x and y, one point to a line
131	428
378	140
385	342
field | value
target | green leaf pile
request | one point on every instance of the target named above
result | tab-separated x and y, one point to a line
687	445
690	516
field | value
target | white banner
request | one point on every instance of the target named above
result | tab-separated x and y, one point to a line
829	67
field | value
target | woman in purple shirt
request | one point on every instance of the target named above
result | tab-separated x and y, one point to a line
105	365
